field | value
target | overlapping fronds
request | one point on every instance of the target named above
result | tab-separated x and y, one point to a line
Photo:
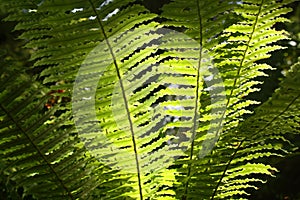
67	31
192	70
39	149
248	41
160	113
129	138
200	20
264	134
234	52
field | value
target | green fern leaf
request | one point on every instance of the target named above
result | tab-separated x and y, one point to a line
39	150
148	104
265	135
244	43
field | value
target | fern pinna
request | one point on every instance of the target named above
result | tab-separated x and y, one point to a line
154	104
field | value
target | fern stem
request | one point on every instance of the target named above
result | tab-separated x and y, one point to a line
231	93
256	133
124	98
38	150
196	106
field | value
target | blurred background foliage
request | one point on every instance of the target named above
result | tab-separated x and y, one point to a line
286	184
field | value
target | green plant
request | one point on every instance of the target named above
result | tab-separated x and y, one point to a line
51	145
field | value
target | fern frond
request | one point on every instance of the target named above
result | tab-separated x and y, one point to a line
129	136
39	148
119	54
235	55
147	102
203	22
263	134
200	20
255	35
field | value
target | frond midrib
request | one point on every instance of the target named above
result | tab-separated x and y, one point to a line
196	109
124	98
231	93
70	195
